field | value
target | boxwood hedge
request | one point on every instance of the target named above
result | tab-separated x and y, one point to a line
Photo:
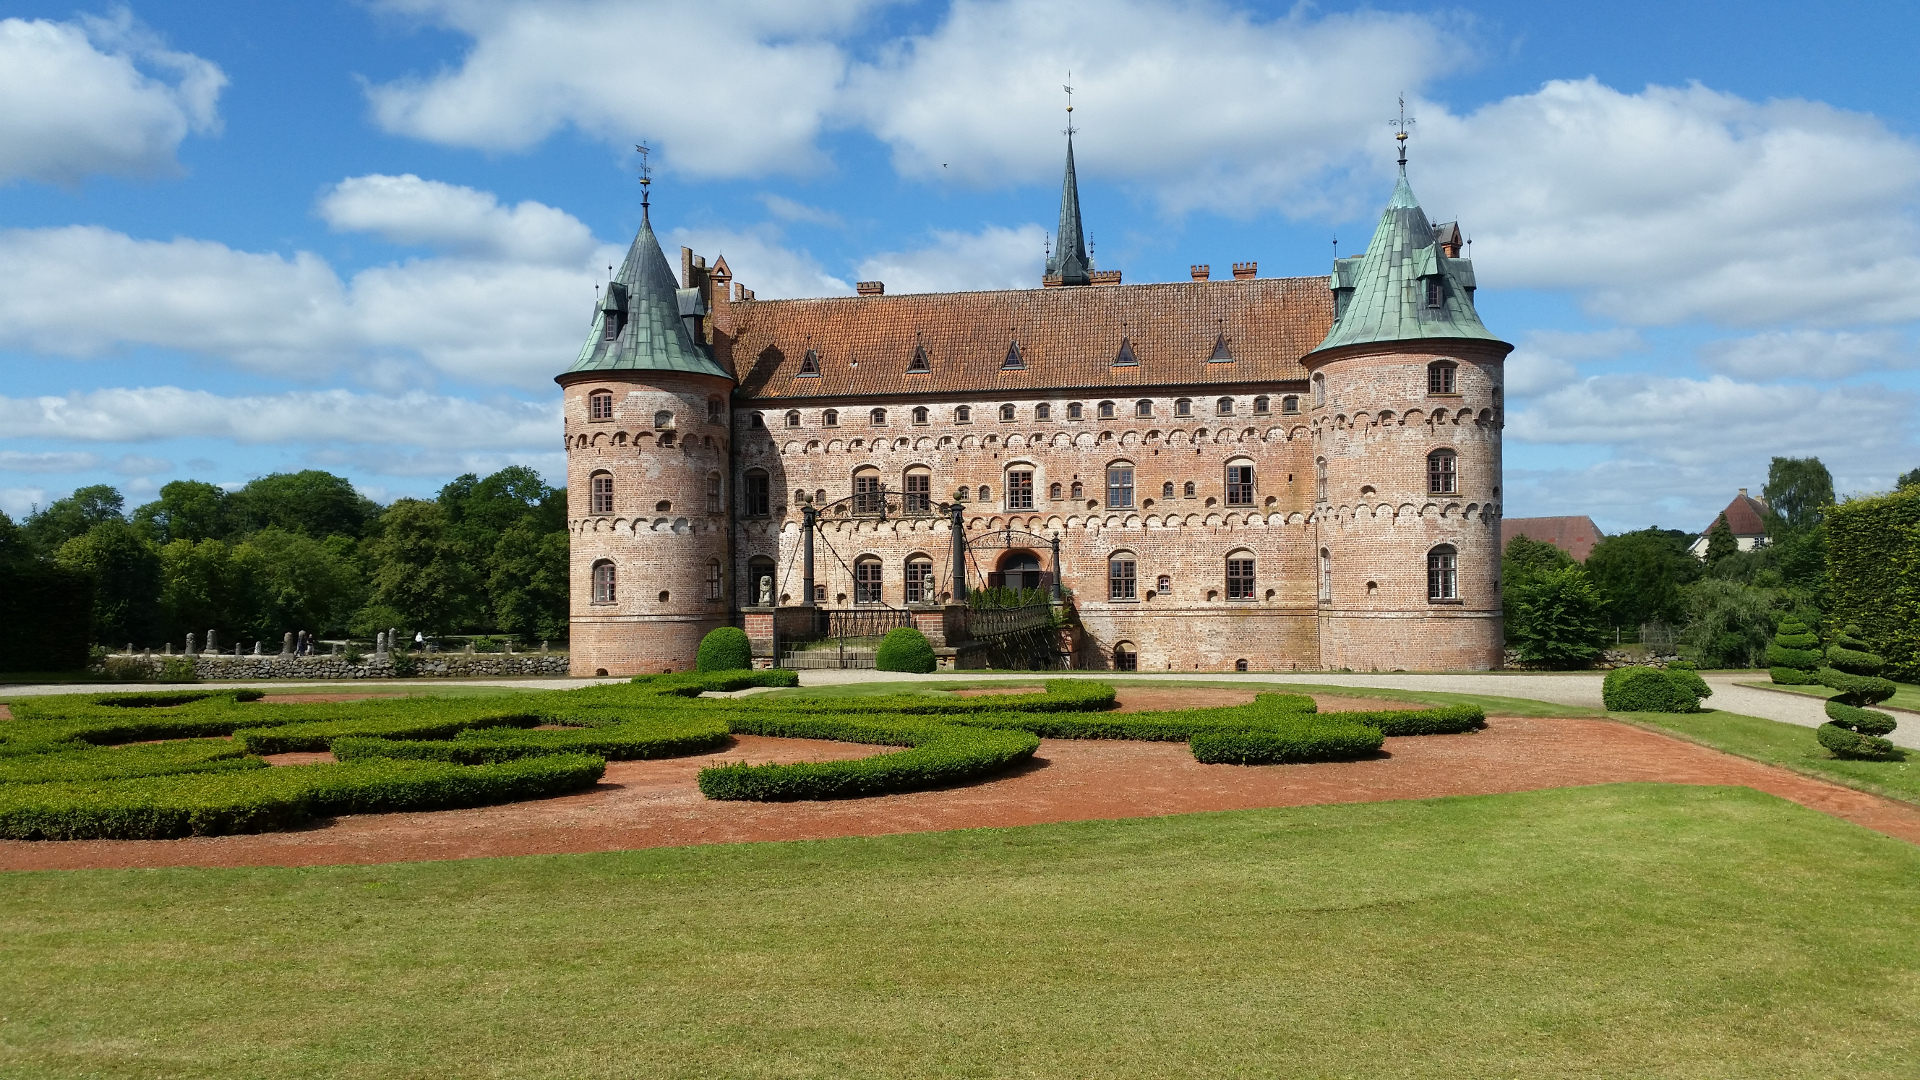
1305	738
937	755
156	759
651	737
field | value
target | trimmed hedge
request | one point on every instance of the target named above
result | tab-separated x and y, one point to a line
105	719
159	759
1852	730
938	755
159	808
1648	689
648	738
422	721
1061	695
905	649
725	648
1307	738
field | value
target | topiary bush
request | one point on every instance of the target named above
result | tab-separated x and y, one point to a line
724	649
1307	738
1852	730
1794	656
1649	689
905	649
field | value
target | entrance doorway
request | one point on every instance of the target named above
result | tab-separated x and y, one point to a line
1019	569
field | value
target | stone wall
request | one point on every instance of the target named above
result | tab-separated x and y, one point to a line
424	665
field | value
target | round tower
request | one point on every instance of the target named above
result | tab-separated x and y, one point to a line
1406	410
647	430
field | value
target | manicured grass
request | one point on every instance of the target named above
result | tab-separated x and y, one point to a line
1789	745
1905	695
1631	930
1495	706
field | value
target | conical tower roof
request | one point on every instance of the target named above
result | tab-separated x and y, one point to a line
1069	262
1404	288
643	300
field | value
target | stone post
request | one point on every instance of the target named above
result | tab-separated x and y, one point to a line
543	648
380	645
212	649
191	641
256	649
169	648
129	648
469	648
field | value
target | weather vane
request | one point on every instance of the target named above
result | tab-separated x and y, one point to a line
1400	136
646	173
1069	89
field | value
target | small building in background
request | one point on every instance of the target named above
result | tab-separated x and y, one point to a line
1746	517
1573	535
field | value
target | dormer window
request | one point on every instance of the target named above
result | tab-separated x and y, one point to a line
919	362
1014	361
1126	357
810	364
1221	353
1434	292
600	405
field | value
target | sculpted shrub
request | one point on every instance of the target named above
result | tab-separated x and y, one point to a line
724	649
1648	689
1852	730
1794	656
905	649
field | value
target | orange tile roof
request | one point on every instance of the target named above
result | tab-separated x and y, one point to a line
1068	338
1573	535
1746	516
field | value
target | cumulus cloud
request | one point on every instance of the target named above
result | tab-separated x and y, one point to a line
993	258
408	210
84	291
733	89
18	502
97	96
140	414
47	461
1809	354
1544	359
761	261
789	210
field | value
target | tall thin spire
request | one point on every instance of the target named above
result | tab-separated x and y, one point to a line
1069	263
646	180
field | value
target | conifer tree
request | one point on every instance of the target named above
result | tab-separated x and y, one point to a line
1851	730
1794	655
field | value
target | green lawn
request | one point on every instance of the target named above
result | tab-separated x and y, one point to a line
1639	930
1790	745
1905	695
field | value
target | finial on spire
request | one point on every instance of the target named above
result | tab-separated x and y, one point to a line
1069	89
646	176
1400	136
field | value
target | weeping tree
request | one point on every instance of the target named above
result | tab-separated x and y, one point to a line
1852	730
1794	656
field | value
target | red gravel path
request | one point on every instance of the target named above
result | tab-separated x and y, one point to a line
655	804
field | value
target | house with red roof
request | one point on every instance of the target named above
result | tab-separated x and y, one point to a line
1746	517
1573	535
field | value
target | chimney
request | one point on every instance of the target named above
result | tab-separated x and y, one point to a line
1743	493
1245	270
871	288
1202	272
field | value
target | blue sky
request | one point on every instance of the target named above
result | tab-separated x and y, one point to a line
238	238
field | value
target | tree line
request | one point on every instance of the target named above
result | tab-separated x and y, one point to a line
1723	609
300	551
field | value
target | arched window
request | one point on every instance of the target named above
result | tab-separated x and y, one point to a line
1122	576
1443	477
961	494
1443	573
757	499
1143	408
1326	576
793	417
1319	389
713	579
1106	410
1240	483
603	582
867	496
1073	410
800	496
877	417
601	485
759	580
1079	492
600	405
1224	406
1262	406
1020	488
1187	491
713	493
1006	412
663	419
1240	575
1053	491
1166	490
1043	411
1125	657
830	418
1290	404
986	493
1440	377
918	485
1120	485
666	439
866	580
920	414
963	415
919	579
1164	585
1320	479
1183	407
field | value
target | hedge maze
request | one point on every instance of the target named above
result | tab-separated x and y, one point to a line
163	765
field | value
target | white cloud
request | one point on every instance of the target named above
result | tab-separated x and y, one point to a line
136	465
733	89
302	416
1544	359
83	291
47	461
1809	354
18	502
993	258
74	100
789	210
760	261
409	210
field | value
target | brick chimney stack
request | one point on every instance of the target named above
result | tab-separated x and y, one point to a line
871	288
1245	270
1202	271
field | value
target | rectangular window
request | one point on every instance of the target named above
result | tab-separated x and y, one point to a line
1443	576
600	407
759	496
1239	579
867	497
713	494
1440	379
1120	488
603	494
1239	485
1441	478
919	582
866	582
919	493
713	581
1120	579
1020	490
1433	292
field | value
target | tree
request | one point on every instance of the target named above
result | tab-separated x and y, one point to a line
528	583
311	503
46	611
1798	492
1728	624
76	515
125	571
1910	478
203	587
1640	575
1554	617
1720	541
186	510
299	583
1528	558
415	569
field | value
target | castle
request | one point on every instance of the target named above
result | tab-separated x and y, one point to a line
1242	474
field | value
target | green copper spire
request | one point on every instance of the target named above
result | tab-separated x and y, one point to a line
1069	260
1404	288
643	309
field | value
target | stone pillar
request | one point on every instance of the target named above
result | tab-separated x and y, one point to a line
380	645
469	648
256	648
212	649
286	644
169	648
191	641
129	648
543	648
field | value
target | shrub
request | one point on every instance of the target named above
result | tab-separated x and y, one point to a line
1794	656
407	719
1647	689
724	649
159	759
176	669
654	737
938	755
1306	738
1852	730
1061	695
1554	617
905	649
